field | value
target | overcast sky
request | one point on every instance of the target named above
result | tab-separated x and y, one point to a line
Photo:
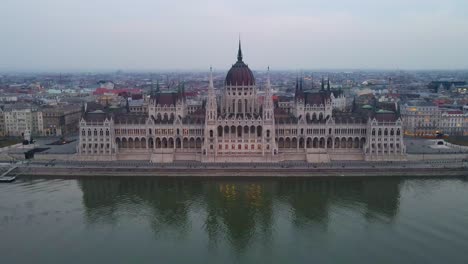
93	35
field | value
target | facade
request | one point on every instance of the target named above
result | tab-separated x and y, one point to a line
2	123
238	127
61	120
454	122
20	118
428	119
421	118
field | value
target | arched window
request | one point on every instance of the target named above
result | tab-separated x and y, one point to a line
268	132
398	132
89	132
95	132
211	133
101	133
107	132
83	132
373	131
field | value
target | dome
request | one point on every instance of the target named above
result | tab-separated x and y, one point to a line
239	74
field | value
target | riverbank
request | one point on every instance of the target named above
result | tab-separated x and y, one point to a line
238	172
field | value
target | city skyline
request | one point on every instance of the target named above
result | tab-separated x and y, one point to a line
155	35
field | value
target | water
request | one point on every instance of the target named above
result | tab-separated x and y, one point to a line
148	220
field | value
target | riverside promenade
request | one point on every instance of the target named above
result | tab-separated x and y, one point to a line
439	168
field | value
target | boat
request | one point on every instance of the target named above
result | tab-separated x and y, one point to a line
8	179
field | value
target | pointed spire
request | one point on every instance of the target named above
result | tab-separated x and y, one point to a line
322	84
268	87
183	88
328	83
127	106
301	82
239	52
211	86
297	82
152	86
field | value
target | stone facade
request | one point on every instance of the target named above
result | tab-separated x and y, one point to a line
237	127
61	120
428	119
19	118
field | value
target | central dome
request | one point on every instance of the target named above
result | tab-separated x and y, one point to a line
240	74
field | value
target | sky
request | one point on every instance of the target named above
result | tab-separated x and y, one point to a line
151	35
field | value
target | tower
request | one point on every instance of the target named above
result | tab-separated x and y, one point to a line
268	101
211	104
211	115
268	120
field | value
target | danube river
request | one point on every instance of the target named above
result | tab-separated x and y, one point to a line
174	220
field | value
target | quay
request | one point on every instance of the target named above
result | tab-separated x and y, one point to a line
442	168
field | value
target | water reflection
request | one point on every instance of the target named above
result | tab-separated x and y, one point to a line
236	211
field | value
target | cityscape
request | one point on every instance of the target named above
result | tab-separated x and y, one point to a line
217	131
242	116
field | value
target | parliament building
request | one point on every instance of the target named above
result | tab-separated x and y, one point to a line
316	126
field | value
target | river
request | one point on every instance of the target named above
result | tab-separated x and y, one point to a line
207	220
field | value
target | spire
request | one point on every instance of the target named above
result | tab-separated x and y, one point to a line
152	86
127	106
268	87
239	52
301	80
211	86
183	89
297	83
323	84
268	101
328	83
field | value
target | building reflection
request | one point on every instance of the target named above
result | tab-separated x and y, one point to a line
237	211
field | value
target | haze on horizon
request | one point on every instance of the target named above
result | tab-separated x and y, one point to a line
86	35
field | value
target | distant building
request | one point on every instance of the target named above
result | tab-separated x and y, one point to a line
61	120
426	118
439	86
20	117
2	123
454	122
420	118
